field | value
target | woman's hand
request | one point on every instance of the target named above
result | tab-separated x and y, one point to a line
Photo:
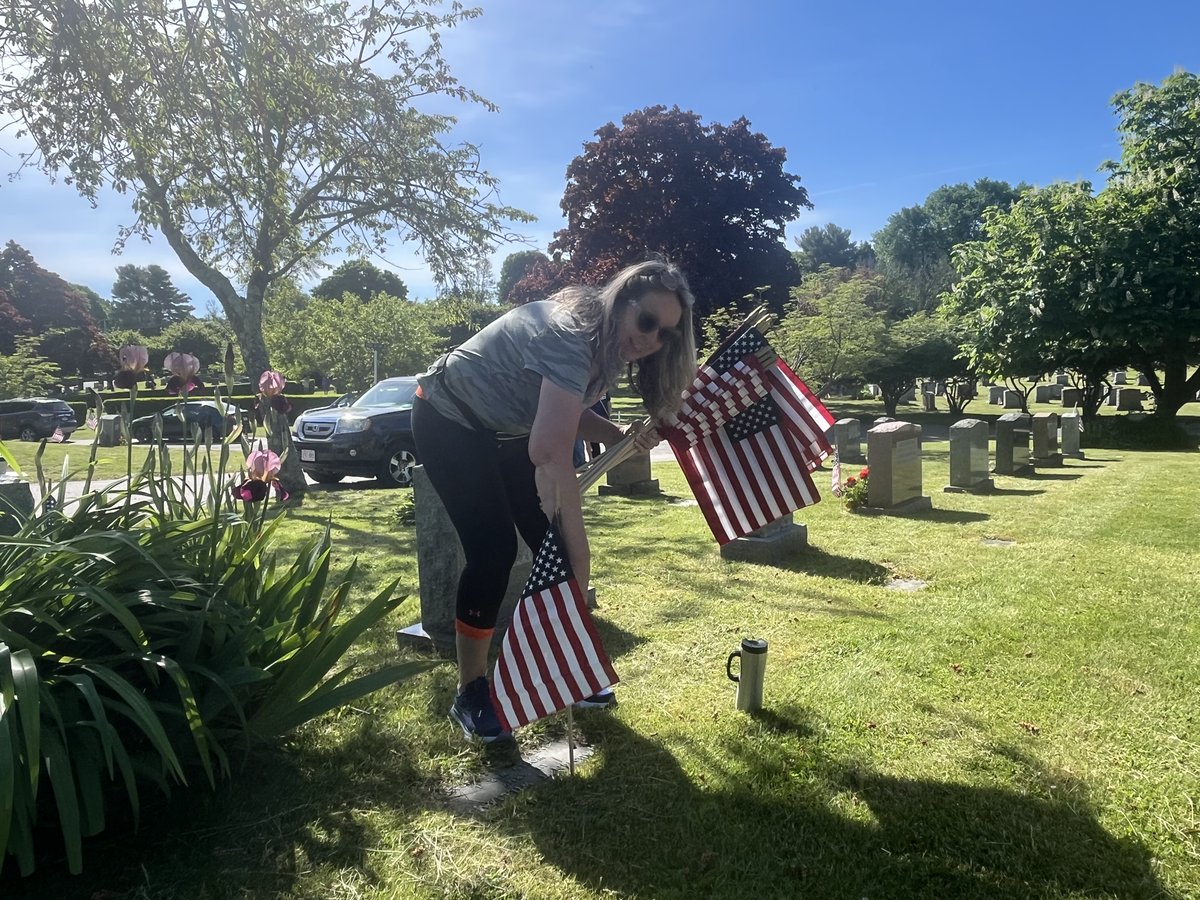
645	438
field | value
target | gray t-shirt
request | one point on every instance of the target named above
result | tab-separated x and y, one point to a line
498	372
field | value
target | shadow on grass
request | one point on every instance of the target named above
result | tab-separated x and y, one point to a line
1051	476
1015	492
936	514
822	564
286	812
767	810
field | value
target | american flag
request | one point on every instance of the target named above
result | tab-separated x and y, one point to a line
57	436
551	655
747	437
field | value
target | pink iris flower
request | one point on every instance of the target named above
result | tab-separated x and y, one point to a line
262	471
133	359
271	384
183	368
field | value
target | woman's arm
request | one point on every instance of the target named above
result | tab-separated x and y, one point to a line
558	420
594	427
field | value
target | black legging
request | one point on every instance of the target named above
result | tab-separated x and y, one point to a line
487	487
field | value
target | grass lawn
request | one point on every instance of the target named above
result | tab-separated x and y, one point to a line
1028	725
111	462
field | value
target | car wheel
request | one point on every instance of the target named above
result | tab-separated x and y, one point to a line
397	471
28	433
143	435
325	477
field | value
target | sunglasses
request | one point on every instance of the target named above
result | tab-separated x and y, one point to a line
648	322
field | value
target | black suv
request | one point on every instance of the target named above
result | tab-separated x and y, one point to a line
34	419
371	436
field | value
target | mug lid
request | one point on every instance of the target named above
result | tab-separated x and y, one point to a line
754	645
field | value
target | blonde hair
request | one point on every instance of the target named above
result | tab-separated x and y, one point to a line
660	378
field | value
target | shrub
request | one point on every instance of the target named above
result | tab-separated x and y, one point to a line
1129	433
146	632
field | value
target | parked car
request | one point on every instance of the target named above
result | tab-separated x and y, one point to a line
371	436
35	418
196	414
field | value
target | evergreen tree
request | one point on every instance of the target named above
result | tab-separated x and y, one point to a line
145	299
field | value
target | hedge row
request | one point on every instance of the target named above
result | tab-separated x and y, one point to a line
147	406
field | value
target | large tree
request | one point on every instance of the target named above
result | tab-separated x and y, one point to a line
1020	292
1152	209
836	329
916	243
828	245
145	299
363	279
256	136
42	304
714	198
514	268
1095	281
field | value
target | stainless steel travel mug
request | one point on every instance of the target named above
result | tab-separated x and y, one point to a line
752	668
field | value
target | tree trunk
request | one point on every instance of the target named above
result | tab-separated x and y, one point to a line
892	392
1175	389
1093	389
959	392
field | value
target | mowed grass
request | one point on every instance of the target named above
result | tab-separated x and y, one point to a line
111	462
1024	726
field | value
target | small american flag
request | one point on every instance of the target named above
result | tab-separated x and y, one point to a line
747	437
551	655
57	436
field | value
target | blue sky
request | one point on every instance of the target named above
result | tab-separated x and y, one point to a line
877	104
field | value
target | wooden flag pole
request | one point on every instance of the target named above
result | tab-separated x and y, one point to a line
610	458
571	738
570	717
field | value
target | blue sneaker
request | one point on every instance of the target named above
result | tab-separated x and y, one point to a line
474	713
604	699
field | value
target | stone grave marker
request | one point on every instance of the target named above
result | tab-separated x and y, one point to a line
894	449
908	396
1142	380
929	401
968	458
1070	423
847	439
1012	444
1071	396
16	502
1012	399
1045	440
1129	399
630	478
110	431
771	545
996	395
1119	378
439	563
1062	379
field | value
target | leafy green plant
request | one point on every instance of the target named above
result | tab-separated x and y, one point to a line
853	491
406	510
147	631
1128	433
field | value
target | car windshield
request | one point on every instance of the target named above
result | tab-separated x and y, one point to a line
388	393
